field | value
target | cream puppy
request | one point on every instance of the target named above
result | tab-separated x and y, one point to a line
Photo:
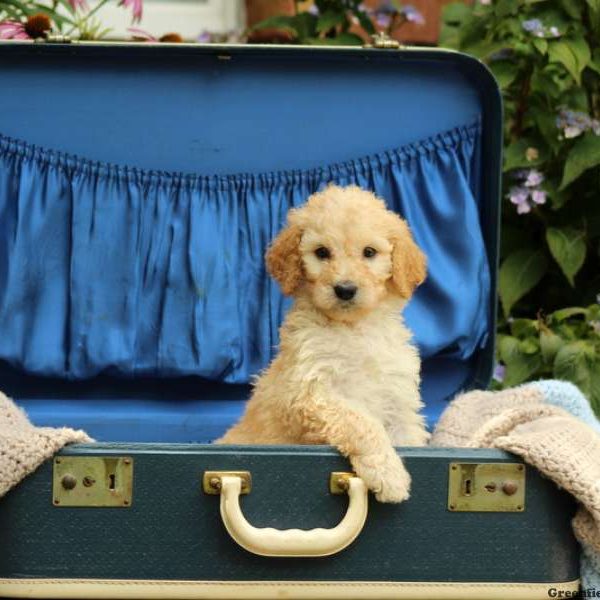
346	373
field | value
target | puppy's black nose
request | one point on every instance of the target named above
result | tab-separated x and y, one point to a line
345	290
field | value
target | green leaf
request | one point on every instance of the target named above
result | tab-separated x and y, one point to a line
504	8
550	344
595	386
515	155
573	8
574	363
566	313
456	12
519	366
283	22
524	328
520	272
505	72
584	155
365	22
573	53
568	248
329	20
343	39
541	45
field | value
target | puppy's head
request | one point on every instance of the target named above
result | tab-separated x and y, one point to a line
347	253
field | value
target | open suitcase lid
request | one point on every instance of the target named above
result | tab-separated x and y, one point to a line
141	184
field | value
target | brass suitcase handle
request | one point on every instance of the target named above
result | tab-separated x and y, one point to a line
267	541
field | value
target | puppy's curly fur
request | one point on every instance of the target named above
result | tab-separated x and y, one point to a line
346	373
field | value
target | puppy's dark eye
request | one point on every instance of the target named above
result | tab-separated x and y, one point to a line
369	252
322	253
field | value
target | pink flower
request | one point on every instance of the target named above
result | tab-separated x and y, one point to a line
137	7
141	34
78	4
13	30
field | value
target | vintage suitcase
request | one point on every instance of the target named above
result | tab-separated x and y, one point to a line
139	187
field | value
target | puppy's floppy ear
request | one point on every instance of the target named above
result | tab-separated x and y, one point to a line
284	262
409	263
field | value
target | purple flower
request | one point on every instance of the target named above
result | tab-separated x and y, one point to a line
205	37
137	7
518	195
527	195
532	25
534	178
538	29
499	372
573	123
12	30
313	10
412	15
538	196
383	19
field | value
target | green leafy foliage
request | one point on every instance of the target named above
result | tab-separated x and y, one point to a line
334	22
545	56
563	345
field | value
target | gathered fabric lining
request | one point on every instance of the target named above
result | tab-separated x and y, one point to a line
115	269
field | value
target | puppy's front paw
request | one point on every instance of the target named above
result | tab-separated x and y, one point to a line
384	475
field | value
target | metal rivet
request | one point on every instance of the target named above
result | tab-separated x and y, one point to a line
56	501
520	468
454	467
127	461
452	507
490	487
88	481
510	487
57	461
519	507
215	483
126	502
68	482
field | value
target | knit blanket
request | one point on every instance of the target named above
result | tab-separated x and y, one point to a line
23	447
551	426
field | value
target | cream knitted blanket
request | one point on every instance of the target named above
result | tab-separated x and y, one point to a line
23	447
551	426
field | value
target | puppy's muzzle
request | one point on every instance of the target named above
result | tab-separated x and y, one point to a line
345	290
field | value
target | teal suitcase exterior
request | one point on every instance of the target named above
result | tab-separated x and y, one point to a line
134	304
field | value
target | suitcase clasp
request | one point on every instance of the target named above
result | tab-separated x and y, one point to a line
486	487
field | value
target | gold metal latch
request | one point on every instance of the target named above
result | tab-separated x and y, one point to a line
382	40
486	487
98	481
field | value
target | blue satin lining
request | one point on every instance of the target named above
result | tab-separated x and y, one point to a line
105	268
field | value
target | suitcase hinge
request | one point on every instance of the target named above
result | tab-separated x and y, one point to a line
382	40
54	38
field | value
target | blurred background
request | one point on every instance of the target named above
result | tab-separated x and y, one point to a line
545	55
